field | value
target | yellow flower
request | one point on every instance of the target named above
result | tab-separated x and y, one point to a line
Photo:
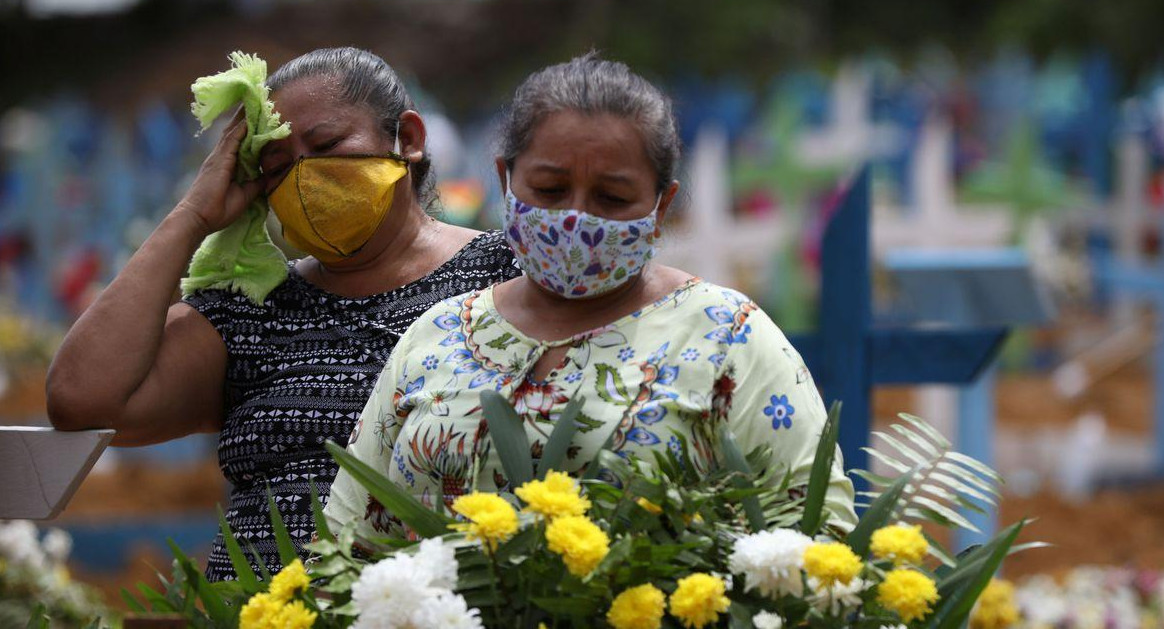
264	611
649	506
295	615
907	592
556	496
900	542
291	580
996	608
832	563
698	600
261	611
491	519
640	607
579	541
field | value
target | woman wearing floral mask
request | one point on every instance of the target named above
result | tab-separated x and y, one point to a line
278	379
588	158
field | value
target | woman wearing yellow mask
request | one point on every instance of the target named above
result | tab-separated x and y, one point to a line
349	185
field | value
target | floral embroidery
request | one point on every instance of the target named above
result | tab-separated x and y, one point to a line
690	354
430	362
626	354
780	411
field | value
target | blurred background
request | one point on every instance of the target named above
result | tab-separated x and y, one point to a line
1016	154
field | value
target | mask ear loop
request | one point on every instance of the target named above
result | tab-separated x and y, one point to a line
396	141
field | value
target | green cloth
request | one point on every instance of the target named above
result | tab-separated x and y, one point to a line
240	257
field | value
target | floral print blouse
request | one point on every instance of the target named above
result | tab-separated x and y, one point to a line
700	356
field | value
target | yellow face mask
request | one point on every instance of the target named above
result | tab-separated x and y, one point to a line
330	206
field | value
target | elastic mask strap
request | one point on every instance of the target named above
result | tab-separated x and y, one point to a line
396	142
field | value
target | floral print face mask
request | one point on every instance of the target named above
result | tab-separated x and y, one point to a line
575	254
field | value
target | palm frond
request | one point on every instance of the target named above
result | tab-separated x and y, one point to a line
944	482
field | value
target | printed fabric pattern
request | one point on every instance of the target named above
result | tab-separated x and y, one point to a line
576	254
700	358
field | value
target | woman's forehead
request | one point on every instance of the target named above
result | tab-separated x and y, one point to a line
565	139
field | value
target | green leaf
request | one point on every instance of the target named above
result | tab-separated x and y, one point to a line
921	442
822	467
953	610
929	431
131	602
508	433
566	605
946	512
323	531
908	452
242	567
877	515
424	521
215	607
39	618
263	572
158	603
287	552
887	460
560	438
734	461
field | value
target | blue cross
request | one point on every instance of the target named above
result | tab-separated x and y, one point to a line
848	354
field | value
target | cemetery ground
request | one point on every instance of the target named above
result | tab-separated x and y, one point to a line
1120	523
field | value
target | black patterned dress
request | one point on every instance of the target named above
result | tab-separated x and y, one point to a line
300	368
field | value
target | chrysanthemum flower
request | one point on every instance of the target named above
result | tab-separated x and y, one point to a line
698	600
837	598
556	496
291	580
264	611
907	592
831	563
900	542
771	561
579	541
491	519
996	608
640	607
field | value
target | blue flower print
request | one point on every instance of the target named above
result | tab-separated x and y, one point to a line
668	374
717	359
690	354
447	321
626	354
642	436
780	411
430	362
676	449
574	377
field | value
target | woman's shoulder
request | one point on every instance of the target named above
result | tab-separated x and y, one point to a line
487	249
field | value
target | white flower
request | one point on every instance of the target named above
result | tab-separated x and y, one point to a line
441	560
771	561
413	591
894	627
19	545
767	620
839	597
446	610
57	545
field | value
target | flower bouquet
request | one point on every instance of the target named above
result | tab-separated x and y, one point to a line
36	590
634	544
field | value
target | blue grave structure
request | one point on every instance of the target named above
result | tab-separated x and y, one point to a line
850	353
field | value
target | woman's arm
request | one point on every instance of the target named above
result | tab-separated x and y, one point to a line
775	403
133	362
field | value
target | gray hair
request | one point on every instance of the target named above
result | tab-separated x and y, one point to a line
591	85
365	79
